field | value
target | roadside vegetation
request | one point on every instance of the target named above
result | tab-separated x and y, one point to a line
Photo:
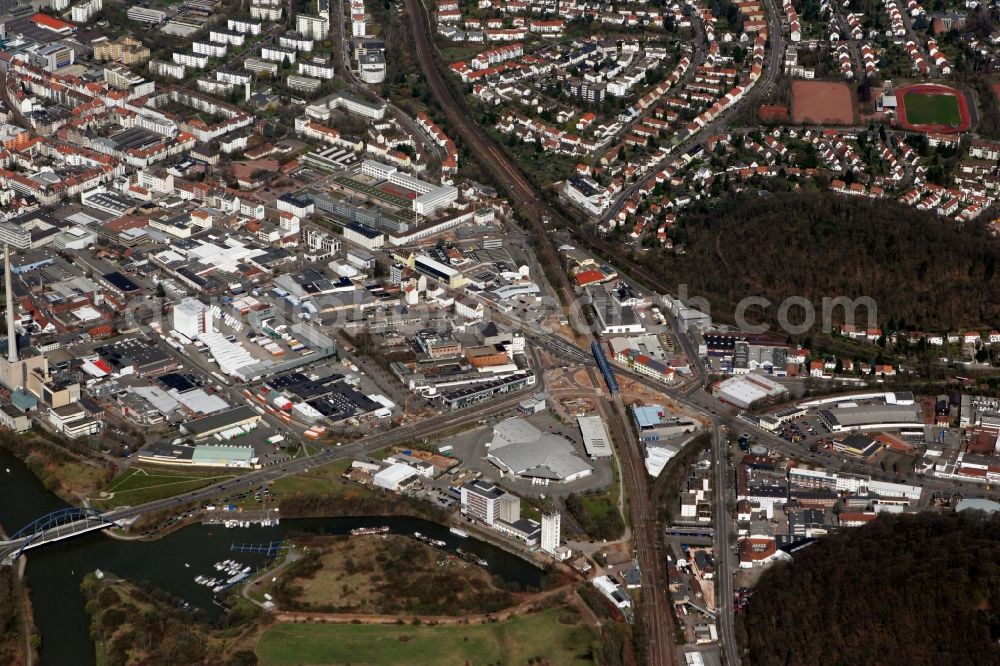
68	469
146	483
619	641
597	512
321	492
12	644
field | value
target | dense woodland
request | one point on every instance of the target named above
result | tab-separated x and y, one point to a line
139	625
923	271
912	590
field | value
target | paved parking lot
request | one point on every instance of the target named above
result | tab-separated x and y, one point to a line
470	447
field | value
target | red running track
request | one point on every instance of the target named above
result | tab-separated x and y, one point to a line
932	89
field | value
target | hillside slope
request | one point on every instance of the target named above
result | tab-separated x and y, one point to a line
920	269
911	590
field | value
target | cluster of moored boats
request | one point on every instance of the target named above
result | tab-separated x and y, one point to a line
264	522
231	572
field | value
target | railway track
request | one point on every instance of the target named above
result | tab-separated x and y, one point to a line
657	619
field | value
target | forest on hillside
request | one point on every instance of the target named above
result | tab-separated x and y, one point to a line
922	271
915	590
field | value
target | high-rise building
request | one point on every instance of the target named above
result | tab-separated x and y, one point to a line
192	318
316	27
489	503
551	532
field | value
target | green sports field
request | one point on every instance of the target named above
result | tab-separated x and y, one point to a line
555	637
923	109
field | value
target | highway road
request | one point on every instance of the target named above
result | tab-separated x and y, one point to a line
258	478
724	556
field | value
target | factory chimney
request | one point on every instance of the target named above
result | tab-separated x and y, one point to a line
9	289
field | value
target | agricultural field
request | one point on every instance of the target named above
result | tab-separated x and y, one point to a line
555	637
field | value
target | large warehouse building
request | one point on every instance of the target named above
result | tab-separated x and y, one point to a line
744	391
852	416
520	449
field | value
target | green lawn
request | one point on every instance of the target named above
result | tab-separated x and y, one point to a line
319	480
145	483
932	109
513	642
601	503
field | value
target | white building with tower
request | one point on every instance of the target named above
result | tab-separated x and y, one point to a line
192	318
551	531
552	536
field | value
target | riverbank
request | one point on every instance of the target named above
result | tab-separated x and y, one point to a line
18	639
134	625
173	559
69	474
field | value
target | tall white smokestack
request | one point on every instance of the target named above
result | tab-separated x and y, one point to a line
8	287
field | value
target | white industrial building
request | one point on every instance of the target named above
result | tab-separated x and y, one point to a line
552	536
610	589
520	449
394	476
746	390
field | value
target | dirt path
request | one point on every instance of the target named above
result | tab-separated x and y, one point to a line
532	603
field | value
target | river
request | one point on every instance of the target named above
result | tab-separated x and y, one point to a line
54	572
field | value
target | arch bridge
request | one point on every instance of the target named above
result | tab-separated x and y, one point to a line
55	526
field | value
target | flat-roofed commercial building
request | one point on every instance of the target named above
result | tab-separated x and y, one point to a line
489	503
213	455
596	441
747	390
146	15
217	423
849	417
